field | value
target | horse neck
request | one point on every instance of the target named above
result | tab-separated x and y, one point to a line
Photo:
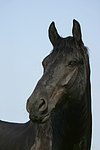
69	123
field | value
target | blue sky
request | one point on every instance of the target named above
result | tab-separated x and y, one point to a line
24	43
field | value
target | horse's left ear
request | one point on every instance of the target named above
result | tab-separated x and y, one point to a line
76	31
53	34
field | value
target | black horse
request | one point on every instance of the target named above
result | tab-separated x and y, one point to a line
60	105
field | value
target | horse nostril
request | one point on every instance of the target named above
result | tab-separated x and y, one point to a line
43	105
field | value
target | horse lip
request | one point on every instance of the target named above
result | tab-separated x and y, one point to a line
45	118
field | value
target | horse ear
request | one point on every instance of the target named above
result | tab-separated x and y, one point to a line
53	34
76	31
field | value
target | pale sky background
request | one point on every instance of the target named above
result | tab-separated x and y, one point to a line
24	43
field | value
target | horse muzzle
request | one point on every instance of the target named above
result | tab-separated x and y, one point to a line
39	111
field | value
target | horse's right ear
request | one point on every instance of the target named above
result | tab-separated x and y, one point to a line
53	34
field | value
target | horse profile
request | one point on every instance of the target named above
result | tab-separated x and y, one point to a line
60	105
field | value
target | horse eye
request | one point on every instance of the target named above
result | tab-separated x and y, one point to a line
72	63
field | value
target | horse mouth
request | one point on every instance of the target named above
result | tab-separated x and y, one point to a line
40	120
45	118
